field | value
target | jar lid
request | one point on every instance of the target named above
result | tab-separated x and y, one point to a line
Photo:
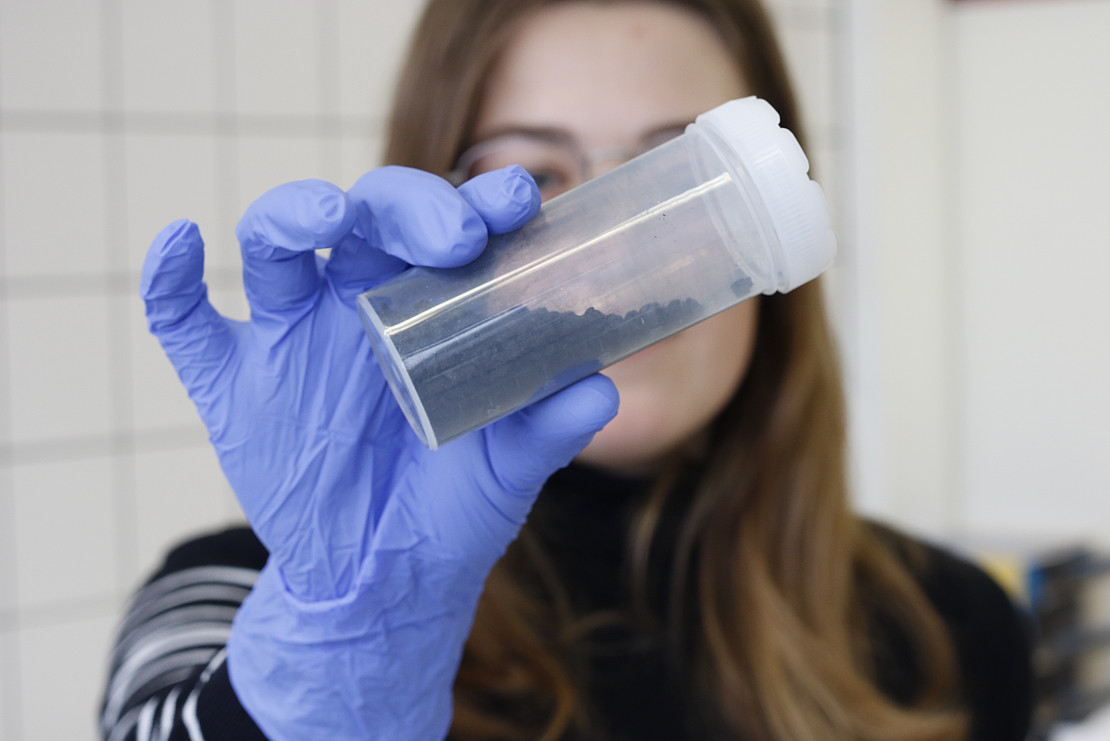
778	168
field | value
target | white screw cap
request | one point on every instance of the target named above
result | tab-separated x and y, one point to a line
777	166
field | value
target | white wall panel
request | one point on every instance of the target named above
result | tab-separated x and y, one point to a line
1033	117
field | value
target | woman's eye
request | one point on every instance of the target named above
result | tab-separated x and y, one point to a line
550	182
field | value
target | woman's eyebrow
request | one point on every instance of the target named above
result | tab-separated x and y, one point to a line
546	133
561	135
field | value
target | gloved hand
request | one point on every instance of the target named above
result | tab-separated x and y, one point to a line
379	548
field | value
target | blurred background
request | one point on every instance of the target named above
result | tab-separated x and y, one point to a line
963	144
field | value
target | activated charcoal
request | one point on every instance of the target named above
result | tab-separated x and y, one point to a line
527	355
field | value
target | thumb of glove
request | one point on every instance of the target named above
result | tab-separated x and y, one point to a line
528	446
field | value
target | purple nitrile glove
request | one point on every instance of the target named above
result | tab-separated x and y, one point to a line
379	548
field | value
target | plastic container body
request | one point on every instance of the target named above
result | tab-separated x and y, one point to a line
605	270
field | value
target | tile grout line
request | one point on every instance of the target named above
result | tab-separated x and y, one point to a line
105	604
954	512
172	123
328	71
120	447
10	670
110	284
99	446
225	96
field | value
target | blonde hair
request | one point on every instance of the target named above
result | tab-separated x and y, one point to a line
772	576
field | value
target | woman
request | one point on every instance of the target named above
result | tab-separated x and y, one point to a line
696	573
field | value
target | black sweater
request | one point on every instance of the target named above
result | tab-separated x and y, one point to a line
168	671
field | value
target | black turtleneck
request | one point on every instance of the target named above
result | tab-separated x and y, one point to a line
633	680
640	692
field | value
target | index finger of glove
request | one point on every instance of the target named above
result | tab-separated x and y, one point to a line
417	217
506	199
278	237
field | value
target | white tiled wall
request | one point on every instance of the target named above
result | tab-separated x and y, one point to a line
60	660
66	530
116	117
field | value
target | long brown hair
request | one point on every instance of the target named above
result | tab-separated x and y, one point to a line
772	575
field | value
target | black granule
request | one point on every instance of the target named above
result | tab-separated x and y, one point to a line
524	355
